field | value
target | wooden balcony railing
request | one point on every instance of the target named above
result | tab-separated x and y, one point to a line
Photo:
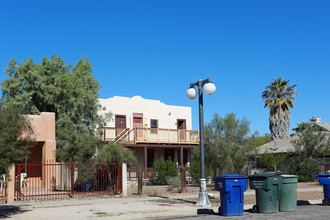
149	135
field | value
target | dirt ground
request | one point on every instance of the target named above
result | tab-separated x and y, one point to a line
156	202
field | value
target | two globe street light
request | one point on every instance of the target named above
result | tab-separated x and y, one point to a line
209	88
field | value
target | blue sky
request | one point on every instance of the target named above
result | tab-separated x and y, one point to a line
156	48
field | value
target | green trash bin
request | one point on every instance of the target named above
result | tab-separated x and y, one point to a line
267	186
288	196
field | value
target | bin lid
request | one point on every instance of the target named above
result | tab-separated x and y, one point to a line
322	175
284	176
231	176
267	174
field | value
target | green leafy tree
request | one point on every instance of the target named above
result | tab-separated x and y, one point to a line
227	144
115	153
69	91
163	169
76	145
278	97
14	147
195	167
257	140
308	147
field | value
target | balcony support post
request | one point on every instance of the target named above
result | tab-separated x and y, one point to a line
145	155
181	156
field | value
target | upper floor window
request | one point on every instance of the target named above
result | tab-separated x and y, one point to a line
153	123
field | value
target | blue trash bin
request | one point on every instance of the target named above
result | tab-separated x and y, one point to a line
88	186
231	187
324	180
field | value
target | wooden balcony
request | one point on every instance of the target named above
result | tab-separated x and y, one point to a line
148	135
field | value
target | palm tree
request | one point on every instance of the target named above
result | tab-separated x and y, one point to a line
302	127
278	97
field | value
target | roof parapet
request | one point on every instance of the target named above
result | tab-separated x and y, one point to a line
315	120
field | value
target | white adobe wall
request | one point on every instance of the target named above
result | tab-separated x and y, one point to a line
166	115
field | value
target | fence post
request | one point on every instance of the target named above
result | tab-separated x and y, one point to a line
124	179
322	169
247	173
11	185
140	182
183	180
274	168
72	179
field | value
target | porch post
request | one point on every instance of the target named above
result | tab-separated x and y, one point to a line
181	156
145	161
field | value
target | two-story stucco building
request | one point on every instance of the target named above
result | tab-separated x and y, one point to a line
150	128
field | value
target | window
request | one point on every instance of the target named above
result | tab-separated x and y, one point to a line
153	123
154	126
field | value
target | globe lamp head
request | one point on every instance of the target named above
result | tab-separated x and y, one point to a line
191	93
209	88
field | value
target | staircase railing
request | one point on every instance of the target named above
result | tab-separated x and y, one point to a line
124	133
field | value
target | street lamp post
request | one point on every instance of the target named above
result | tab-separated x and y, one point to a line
209	88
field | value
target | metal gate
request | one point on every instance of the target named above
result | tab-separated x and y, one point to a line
49	180
3	187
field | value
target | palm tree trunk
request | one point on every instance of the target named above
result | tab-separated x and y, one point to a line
279	122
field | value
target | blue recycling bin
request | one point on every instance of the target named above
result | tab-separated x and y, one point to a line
324	180
88	186
231	187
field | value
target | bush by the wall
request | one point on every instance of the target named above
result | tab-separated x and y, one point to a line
163	169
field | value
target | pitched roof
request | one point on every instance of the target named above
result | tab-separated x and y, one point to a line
325	126
281	145
284	145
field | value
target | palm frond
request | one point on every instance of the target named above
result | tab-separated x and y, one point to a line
279	93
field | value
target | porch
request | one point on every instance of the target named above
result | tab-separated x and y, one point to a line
148	135
147	154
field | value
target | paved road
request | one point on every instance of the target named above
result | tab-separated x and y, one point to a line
309	212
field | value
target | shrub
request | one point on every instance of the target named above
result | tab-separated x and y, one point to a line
173	182
305	169
195	171
162	171
281	161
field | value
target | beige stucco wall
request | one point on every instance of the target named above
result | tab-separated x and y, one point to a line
166	115
43	127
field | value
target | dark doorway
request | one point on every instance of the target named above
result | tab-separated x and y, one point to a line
169	153
150	157
35	158
120	123
182	124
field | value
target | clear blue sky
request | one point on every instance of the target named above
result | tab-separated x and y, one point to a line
155	49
